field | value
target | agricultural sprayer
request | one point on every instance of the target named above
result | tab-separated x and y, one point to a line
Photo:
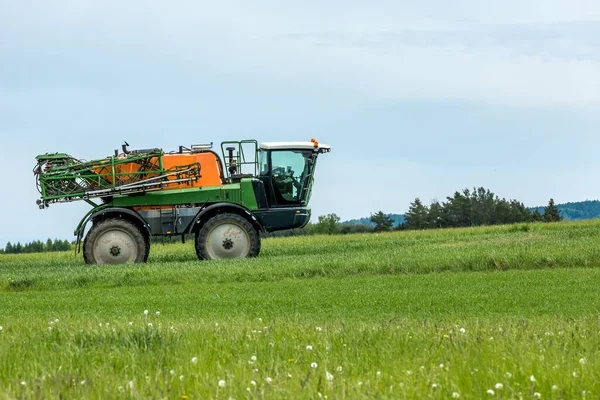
224	202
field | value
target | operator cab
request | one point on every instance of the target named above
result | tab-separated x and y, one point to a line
286	170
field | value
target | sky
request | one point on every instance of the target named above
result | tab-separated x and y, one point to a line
417	99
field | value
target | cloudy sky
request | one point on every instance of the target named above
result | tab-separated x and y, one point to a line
416	98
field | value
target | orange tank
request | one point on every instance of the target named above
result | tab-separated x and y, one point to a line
211	170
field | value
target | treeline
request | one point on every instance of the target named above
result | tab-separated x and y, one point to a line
36	247
475	208
466	208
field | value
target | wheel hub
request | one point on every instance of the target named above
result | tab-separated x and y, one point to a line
115	250
115	246
227	240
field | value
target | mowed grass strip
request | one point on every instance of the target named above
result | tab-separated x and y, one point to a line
511	247
562	292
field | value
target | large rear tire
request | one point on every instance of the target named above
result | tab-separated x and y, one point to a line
227	235
115	241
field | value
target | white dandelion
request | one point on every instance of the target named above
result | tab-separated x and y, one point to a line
318	329
145	312
508	375
172	372
499	386
158	313
23	383
194	360
222	383
463	330
309	347
328	376
314	365
582	361
181	377
269	380
554	388
537	395
532	378
455	395
339	368
253	383
490	392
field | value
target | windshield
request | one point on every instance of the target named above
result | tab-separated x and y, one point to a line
290	173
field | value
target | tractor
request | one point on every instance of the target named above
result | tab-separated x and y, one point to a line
225	202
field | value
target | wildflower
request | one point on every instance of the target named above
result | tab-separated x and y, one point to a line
532	378
289	375
150	325
82	382
130	385
314	365
499	386
378	373
360	383
222	383
269	380
130	323
434	385
194	360
1	328
260	320
181	377
318	329
309	347
23	383
56	321
253	383
575	374
409	372
441	365
554	388
537	395
158	313
172	372
253	359
248	389
455	395
107	324
328	376
145	312
339	368
463	330
582	361
490	392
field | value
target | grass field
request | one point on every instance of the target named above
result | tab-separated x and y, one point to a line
499	312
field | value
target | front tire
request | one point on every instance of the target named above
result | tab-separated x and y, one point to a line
114	241
227	235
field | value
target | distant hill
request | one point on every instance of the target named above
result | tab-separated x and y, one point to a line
588	209
397	218
578	210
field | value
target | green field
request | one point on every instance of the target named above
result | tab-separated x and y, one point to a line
498	312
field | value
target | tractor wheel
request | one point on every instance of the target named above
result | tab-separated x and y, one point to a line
227	235
115	241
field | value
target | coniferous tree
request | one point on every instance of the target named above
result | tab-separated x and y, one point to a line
417	216
382	221
551	213
435	218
